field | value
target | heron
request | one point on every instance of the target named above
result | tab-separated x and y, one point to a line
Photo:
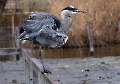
46	29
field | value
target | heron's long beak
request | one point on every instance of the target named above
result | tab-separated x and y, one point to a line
81	11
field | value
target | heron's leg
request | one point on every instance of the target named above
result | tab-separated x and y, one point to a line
40	54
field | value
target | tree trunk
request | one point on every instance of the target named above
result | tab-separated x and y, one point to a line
2	5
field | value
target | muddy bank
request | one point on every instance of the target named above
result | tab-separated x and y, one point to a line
86	71
104	70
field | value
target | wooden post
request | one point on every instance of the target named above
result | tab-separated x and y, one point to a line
118	25
15	34
17	37
90	38
27	73
16	41
13	27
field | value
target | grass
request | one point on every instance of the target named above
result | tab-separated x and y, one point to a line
102	14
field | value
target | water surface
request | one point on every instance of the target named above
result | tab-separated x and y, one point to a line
81	52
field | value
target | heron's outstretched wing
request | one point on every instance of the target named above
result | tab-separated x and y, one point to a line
46	35
36	20
33	26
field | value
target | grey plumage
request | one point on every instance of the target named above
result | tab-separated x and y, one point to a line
46	29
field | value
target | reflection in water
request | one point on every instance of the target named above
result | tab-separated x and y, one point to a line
81	52
107	51
65	53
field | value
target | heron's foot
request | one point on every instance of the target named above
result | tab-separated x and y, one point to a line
46	71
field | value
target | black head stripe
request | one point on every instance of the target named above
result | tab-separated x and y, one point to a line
70	8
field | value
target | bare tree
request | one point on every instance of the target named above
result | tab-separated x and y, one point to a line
2	5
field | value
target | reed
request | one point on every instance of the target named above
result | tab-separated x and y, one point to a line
102	14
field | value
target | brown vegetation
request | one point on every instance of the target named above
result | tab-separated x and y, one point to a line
102	14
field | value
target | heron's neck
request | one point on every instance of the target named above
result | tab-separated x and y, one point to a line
65	14
66	23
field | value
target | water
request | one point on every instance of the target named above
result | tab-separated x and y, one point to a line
69	52
81	52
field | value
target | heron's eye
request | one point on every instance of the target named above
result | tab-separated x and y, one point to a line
74	11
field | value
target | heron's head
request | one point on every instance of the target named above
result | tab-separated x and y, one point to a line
71	10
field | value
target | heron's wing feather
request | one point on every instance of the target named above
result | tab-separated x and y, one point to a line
43	16
31	25
48	36
22	34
